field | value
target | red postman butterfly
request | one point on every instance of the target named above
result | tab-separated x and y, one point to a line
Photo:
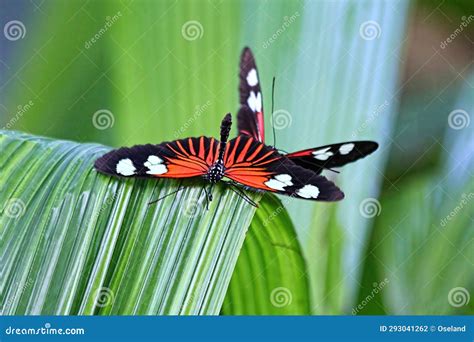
244	160
250	122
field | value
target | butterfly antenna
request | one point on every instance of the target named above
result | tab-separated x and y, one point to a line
273	103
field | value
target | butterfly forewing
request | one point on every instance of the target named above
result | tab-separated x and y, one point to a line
250	116
332	156
258	166
182	158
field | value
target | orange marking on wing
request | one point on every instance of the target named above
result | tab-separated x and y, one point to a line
179	171
201	148
191	147
254	154
244	151
210	156
261	126
175	151
189	163
199	163
230	160
226	152
256	182
269	161
263	157
299	154
182	148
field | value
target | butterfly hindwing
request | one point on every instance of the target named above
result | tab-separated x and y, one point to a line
253	164
331	156
250	116
182	158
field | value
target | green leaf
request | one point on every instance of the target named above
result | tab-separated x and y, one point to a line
270	277
77	242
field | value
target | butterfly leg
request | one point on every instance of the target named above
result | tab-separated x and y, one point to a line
208	195
241	194
171	193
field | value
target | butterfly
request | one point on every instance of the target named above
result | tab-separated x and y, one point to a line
250	121
243	160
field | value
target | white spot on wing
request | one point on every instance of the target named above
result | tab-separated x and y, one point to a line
155	165
308	191
252	78
255	102
346	148
279	182
284	178
125	167
323	154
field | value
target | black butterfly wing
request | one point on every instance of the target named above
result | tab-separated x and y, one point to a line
182	158
253	164
250	116
332	156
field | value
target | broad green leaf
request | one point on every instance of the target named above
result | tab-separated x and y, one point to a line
77	242
270	277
